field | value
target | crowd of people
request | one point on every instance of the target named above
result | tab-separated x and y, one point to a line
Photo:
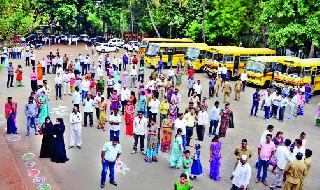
151	110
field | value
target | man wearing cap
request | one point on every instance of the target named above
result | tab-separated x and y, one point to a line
110	153
294	173
241	175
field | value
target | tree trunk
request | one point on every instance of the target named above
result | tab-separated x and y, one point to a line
204	20
311	53
152	21
264	36
131	15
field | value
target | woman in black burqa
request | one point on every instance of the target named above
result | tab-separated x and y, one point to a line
47	145
59	152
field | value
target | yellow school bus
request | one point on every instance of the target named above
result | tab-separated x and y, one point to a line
146	41
260	69
235	58
296	72
170	53
199	56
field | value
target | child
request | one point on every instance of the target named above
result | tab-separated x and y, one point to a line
182	184
196	168
186	163
19	76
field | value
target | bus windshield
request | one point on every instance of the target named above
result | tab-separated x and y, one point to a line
193	53
294	71
255	66
153	50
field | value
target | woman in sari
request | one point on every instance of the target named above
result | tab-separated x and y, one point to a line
39	70
173	111
301	101
115	101
225	120
166	134
101	85
44	108
102	113
47	144
72	81
177	150
215	157
116	76
10	114
152	142
59	151
129	117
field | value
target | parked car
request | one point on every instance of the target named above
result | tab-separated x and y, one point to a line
106	47
63	37
74	39
134	47
127	45
84	38
116	42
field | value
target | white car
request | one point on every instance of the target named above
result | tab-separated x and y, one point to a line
134	47
127	45
74	39
106	47
116	42
84	37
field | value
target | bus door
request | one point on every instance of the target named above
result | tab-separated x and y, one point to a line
313	75
236	66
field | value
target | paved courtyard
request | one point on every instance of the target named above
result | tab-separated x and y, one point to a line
82	171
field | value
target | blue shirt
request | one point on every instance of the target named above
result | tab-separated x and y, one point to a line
212	83
256	97
214	114
31	110
286	91
77	66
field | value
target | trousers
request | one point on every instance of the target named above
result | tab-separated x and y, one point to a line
32	121
107	164
66	88
189	133
86	114
136	139
262	165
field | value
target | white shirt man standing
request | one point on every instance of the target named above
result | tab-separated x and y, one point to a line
243	78
109	155
124	97
241	175
140	124
180	123
66	83
154	108
75	128
115	121
197	89
202	120
58	85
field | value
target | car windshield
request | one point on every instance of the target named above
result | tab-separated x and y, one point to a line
153	49
193	53
255	66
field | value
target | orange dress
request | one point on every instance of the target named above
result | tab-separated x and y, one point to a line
39	71
129	117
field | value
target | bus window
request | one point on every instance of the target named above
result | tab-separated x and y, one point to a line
179	51
228	58
192	53
202	54
281	68
153	50
244	58
307	72
209	55
218	57
294	71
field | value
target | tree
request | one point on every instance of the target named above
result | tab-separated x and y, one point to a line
294	25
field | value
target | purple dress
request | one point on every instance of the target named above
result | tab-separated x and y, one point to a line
215	161
114	102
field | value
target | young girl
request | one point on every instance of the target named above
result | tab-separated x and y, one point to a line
186	163
19	76
196	168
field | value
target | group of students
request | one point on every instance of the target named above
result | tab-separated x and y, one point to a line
153	113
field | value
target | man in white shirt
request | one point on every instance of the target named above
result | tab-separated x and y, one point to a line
110	84
171	75
124	97
202	122
282	106
140	125
88	110
241	175
75	128
293	103
269	130
33	59
97	100
115	121
176	97
267	104
58	86
283	156
224	72
85	85
154	108
214	118
117	87
197	89
243	78
76	98
180	123
275	98
66	83
134	76
109	155
298	148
